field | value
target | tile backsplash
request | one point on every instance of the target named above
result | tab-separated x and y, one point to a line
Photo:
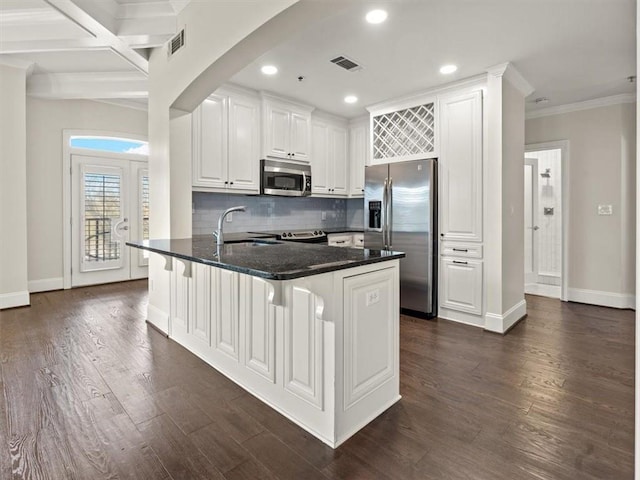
274	213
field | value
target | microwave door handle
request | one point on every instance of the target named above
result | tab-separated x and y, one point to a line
304	183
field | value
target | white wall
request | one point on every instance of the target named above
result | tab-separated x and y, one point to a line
46	119
503	184
512	197
601	168
13	197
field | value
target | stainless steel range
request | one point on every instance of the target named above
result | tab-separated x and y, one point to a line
304	236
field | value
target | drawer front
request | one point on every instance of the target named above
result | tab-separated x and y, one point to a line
453	249
461	287
340	240
358	239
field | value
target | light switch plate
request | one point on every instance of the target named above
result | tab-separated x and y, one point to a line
605	209
229	218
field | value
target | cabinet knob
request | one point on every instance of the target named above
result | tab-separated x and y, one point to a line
226	183
293	154
231	183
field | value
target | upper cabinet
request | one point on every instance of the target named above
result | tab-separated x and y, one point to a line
358	153
226	143
329	165
401	133
460	167
286	128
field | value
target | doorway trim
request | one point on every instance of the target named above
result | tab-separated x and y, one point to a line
67	152
563	146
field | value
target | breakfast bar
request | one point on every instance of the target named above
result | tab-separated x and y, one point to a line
311	330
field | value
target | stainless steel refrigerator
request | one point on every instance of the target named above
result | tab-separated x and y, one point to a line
401	214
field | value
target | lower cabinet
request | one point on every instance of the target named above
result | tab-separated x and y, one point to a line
461	285
326	357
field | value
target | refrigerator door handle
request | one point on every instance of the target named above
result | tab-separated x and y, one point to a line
384	214
390	213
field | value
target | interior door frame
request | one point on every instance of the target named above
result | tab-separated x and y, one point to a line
67	152
563	146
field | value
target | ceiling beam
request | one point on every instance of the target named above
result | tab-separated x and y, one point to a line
102	29
88	85
40	46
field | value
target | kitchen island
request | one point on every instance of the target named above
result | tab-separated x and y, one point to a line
313	331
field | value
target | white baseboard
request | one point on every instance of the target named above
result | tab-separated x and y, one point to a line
46	285
158	318
553	291
461	317
495	322
14	299
603	299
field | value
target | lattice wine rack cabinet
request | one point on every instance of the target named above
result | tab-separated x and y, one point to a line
407	134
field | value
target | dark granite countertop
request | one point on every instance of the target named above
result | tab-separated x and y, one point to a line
267	259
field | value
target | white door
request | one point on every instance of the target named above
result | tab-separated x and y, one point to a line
530	220
109	201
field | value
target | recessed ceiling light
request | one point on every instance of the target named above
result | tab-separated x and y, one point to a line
376	16
446	69
269	70
350	99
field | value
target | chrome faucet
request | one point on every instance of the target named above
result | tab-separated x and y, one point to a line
218	233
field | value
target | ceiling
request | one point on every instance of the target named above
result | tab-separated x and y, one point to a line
61	41
568	50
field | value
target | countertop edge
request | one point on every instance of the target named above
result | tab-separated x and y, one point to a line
268	275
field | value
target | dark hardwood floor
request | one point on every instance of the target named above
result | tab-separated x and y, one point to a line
89	391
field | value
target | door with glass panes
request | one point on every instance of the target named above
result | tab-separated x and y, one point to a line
110	205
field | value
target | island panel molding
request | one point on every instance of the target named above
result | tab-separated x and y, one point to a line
369	334
303	346
260	333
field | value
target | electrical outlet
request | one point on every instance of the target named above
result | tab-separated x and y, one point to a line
605	209
229	218
323	215
373	297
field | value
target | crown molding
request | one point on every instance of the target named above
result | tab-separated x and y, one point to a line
88	85
586	105
511	73
126	103
10	61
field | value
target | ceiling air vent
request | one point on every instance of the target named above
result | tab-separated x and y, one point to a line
176	43
346	63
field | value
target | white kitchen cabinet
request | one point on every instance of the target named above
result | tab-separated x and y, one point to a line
209	128
460	167
461	285
286	128
329	166
226	143
244	143
358	149
340	239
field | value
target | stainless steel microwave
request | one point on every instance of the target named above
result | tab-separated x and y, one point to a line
284	178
